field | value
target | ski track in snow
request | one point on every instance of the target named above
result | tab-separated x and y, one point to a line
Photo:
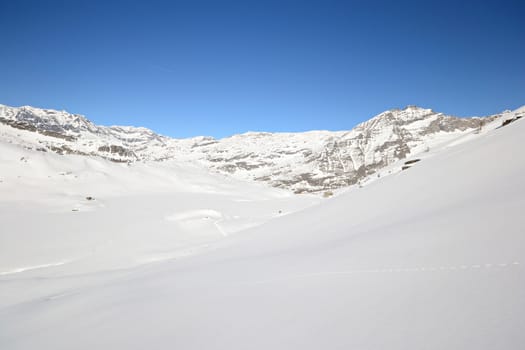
34	267
219	228
493	266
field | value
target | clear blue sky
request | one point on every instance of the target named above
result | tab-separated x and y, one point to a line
187	68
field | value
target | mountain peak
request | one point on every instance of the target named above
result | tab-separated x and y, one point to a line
410	112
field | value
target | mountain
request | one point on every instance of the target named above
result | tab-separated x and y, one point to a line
302	162
102	255
163	251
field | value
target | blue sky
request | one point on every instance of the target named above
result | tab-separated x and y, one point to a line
187	68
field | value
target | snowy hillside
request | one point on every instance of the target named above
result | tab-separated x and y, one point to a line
302	162
57	209
164	254
98	254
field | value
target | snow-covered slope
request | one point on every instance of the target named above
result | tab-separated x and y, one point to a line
302	162
428	258
56	209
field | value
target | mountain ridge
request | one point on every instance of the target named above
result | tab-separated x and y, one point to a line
311	161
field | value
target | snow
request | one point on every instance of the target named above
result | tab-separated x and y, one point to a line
176	205
427	258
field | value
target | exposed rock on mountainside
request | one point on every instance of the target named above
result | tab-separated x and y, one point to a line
303	162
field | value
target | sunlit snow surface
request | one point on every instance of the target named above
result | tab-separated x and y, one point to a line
169	256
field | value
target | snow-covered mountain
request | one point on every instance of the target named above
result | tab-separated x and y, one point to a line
98	254
303	162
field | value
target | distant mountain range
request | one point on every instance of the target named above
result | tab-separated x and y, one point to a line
302	162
